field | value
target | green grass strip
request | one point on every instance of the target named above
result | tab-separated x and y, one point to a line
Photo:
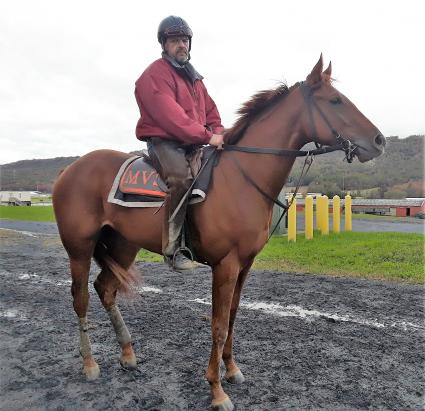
391	256
37	213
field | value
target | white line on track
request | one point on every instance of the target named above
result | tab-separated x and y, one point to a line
27	233
274	309
30	233
278	310
12	313
150	290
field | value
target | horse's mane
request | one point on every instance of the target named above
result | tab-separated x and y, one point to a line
251	109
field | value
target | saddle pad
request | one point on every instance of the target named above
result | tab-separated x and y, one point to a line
141	178
137	183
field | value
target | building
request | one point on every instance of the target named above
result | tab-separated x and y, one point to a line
23	198
408	207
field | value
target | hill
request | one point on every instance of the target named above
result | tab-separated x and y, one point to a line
398	173
29	175
32	174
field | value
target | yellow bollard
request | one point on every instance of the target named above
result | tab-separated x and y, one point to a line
292	221
318	211
336	214
348	217
325	213
309	217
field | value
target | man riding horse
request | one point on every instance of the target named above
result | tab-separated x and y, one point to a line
177	115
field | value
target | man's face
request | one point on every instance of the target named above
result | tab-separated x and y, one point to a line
178	48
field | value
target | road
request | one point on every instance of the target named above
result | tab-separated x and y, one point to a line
409	226
412	225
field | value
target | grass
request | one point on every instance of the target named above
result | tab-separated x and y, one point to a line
391	256
42	213
148	257
47	199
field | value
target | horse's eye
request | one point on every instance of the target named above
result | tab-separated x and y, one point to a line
336	100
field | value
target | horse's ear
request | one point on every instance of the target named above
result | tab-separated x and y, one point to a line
328	71
316	74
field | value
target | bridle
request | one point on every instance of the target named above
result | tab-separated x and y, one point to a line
342	143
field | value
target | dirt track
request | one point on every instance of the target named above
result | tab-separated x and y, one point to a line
302	342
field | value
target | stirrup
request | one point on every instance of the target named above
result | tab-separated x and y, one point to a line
180	250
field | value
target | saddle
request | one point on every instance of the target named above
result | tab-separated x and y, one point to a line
138	184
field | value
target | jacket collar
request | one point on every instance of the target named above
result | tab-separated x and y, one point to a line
186	69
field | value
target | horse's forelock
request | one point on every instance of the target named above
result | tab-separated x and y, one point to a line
328	79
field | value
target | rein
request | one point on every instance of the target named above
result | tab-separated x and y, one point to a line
284	152
341	144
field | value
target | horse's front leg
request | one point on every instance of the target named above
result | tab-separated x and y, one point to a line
225	275
233	373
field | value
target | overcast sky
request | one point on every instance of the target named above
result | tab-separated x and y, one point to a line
67	68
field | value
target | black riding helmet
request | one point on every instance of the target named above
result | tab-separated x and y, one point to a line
174	26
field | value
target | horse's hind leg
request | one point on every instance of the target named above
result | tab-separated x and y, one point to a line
80	267
107	285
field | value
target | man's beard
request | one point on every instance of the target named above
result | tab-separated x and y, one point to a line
182	58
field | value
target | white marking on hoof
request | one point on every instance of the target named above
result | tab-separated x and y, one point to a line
223	405
92	373
237	378
129	362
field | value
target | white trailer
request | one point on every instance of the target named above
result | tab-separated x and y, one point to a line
16	198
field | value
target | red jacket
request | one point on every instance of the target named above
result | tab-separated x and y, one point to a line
174	108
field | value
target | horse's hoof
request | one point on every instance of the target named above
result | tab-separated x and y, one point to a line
237	378
129	363
92	373
223	405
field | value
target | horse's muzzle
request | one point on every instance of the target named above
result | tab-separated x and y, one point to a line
368	149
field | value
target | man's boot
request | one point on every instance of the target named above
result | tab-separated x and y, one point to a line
174	254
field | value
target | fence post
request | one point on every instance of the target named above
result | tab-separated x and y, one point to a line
318	211
292	221
348	216
309	217
325	213
336	211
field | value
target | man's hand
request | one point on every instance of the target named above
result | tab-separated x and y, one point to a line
217	140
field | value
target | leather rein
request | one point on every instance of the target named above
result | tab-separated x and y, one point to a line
341	144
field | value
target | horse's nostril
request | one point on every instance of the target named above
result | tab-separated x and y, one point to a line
380	140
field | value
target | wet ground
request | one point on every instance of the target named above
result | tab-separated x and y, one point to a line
302	341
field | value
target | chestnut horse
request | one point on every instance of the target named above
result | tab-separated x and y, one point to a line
228	229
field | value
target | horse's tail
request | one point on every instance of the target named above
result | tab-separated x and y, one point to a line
128	278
